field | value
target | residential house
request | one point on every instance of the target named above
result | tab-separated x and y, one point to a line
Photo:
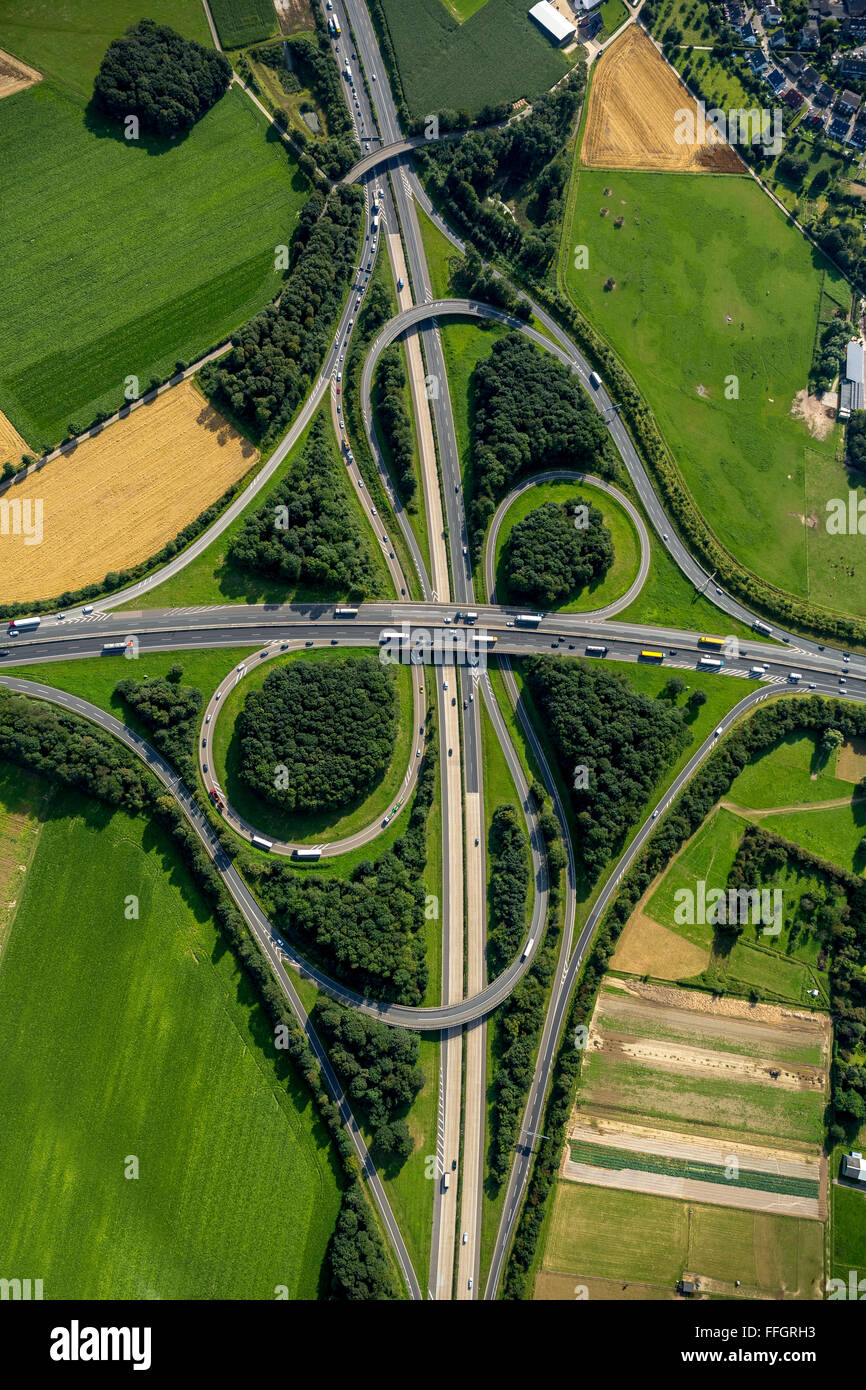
758	62
810	36
823	95
852	65
847	103
776	80
793	98
809	79
779	39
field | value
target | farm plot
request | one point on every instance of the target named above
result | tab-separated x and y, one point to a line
153	253
116	499
14	75
683	1076
12	445
636	1239
633	117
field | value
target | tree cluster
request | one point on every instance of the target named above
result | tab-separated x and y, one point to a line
367	930
169	711
509	884
390	404
530	413
855	439
274	358
548	556
167	81
305	533
318	734
359	1266
623	739
378	1067
829	353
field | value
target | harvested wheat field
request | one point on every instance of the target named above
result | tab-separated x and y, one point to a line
14	75
117	498
12	445
632	119
851	761
647	948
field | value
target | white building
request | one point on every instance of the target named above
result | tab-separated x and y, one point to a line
853	1167
851	388
553	24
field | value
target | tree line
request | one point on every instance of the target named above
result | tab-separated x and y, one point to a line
367	929
306	533
170	713
612	744
389	403
530	413
275	356
167	81
71	750
378	1067
508	888
318	734
549	556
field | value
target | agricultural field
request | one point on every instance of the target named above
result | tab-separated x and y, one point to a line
792	774
849	1233
626	546
735	309
214	578
632	120
15	76
240	22
12	446
686	18
496	54
157	1049
155	252
701	1088
305	826
295	16
631	1238
50	33
117	498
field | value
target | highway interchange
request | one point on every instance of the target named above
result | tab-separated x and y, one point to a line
467	998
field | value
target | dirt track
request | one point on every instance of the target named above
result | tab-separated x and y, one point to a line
632	118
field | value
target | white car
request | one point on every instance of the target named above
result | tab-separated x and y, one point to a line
447	620
218	695
465	1237
718	731
207	719
444	685
470	1281
373	75
655	813
339	376
372	511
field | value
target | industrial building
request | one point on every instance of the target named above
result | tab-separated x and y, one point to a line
553	24
851	386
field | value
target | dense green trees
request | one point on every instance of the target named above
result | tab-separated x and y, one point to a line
314	60
274	357
625	740
548	556
359	1267
305	533
169	711
509	883
378	1067
390	405
829	353
367	929
855	439
318	734
530	413
167	81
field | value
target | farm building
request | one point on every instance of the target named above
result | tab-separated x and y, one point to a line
553	24
854	1167
851	397
588	25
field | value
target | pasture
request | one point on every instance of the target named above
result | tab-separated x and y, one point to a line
718	338
157	1048
154	251
496	54
792	774
117	498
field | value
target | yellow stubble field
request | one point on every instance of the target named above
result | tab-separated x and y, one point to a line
633	115
117	498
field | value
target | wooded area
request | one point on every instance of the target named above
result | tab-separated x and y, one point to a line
549	556
167	81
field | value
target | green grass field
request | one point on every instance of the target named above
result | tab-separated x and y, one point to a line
683	15
212	578
626	561
439	252
497	54
739	298
849	1232
628	1236
613	14
309	827
240	22
51	35
156	1048
835	833
153	252
709	856
791	774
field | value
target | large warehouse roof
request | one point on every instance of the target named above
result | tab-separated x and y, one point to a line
552	22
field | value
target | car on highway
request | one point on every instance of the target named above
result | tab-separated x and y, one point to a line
87	609
846	656
4	651
207	719
447	620
718	731
449	752
217	694
372	511
665	536
445	685
465	1237
655	813
339	376
470	1281
61	616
